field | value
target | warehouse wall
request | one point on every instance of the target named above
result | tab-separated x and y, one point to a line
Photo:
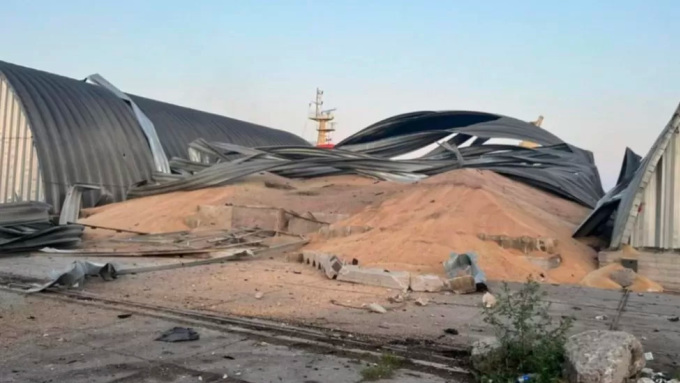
20	177
657	224
661	267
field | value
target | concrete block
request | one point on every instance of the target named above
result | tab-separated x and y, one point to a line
426	283
463	285
399	280
330	264
267	218
218	216
624	277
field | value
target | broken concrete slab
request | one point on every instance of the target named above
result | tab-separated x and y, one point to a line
463	285
600	356
399	280
426	283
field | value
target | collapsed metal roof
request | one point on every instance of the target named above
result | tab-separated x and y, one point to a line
641	209
85	134
556	167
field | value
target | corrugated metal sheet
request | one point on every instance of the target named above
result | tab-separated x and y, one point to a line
657	225
20	178
84	134
648	207
178	126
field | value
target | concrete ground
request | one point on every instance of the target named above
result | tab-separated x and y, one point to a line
44	340
299	294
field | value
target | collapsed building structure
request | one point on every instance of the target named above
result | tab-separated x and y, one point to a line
56	131
643	210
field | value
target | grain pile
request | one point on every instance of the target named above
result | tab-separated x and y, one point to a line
417	228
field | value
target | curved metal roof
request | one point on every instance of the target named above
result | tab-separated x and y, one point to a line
82	134
85	134
178	126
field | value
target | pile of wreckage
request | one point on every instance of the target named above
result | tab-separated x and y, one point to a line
462	139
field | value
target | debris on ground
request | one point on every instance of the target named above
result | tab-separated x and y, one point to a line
179	334
610	276
422	301
603	356
451	331
26	226
124	316
259	295
376	308
488	300
674	318
76	275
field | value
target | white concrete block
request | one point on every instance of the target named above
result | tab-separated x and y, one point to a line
399	280
426	283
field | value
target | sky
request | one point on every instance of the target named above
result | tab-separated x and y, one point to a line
605	74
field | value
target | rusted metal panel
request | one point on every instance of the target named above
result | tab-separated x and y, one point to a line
20	178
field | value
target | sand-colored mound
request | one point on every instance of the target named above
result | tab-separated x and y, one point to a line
601	278
417	228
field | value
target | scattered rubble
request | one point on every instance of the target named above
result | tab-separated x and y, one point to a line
600	356
376	308
422	301
426	283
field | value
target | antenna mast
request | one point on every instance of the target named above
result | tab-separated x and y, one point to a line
323	118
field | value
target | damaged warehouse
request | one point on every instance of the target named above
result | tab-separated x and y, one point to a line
56	132
643	211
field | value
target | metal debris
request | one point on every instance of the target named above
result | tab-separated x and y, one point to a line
556	167
179	334
76	275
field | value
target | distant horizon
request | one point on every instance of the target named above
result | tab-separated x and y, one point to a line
601	73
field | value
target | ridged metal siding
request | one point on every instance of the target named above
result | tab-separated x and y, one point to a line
20	178
178	126
657	224
647	212
82	134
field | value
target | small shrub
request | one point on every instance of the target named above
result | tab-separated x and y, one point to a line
384	369
530	341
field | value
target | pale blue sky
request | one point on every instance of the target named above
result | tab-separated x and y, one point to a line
605	74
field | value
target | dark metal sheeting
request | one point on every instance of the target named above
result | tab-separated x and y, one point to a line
479	124
614	216
561	169
84	134
554	166
25	226
178	126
